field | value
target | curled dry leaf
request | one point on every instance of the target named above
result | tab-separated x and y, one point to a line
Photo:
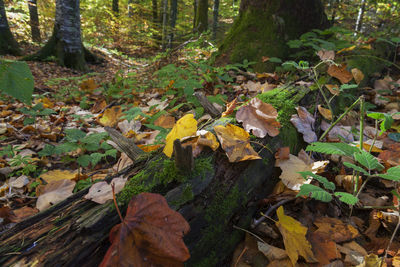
326	54
326	113
185	126
340	73
101	192
294	238
358	75
235	141
150	235
304	123
260	118
54	192
291	167
230	107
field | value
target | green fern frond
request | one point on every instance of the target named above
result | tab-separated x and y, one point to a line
367	160
333	148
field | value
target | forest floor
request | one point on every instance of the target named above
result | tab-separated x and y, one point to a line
322	233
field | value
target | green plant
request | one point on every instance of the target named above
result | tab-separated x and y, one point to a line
34	112
26	164
77	140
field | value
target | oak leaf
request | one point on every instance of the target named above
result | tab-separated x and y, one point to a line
185	126
294	238
235	141
150	235
304	123
260	118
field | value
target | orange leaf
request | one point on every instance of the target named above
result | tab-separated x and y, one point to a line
340	73
150	235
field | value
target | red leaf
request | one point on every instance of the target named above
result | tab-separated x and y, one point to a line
150	235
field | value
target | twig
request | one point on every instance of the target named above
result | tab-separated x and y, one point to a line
362	116
271	209
115	202
339	119
392	237
240	256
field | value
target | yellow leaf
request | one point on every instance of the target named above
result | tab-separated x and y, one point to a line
347	49
358	75
185	126
88	85
57	175
326	113
206	138
294	238
111	116
235	141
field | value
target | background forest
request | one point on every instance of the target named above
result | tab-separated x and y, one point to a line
199	133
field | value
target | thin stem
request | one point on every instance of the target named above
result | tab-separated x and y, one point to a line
320	88
375	137
339	119
115	203
393	235
362	116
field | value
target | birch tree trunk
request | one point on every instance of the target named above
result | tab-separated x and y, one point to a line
34	21
8	45
360	17
65	43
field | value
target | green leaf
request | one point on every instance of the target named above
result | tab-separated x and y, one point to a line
65	148
333	148
367	160
328	185
47	150
95	158
314	192
111	153
16	80
74	134
84	160
392	174
275	60
94	138
355	167
346	198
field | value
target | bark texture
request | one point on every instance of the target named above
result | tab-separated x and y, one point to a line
8	45
201	23
65	43
34	20
264	26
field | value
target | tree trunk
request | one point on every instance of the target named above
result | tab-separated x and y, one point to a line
201	24
115	7
164	23
172	19
216	196
215	19
34	21
263	28
65	43
360	17
194	13
8	45
130	8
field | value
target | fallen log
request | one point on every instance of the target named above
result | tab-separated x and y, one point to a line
213	197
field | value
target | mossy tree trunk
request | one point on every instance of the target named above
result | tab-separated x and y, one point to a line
65	43
201	23
264	26
8	45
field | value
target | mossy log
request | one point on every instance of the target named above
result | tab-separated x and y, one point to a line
213	198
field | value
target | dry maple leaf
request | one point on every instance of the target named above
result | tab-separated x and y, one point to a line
304	123
340	73
260	118
150	235
294	238
235	141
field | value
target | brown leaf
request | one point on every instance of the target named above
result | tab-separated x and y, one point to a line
165	121
110	116
55	192
326	113
340	73
230	107
150	235
101	192
358	75
326	54
324	248
333	88
260	118
235	141
336	229
304	123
